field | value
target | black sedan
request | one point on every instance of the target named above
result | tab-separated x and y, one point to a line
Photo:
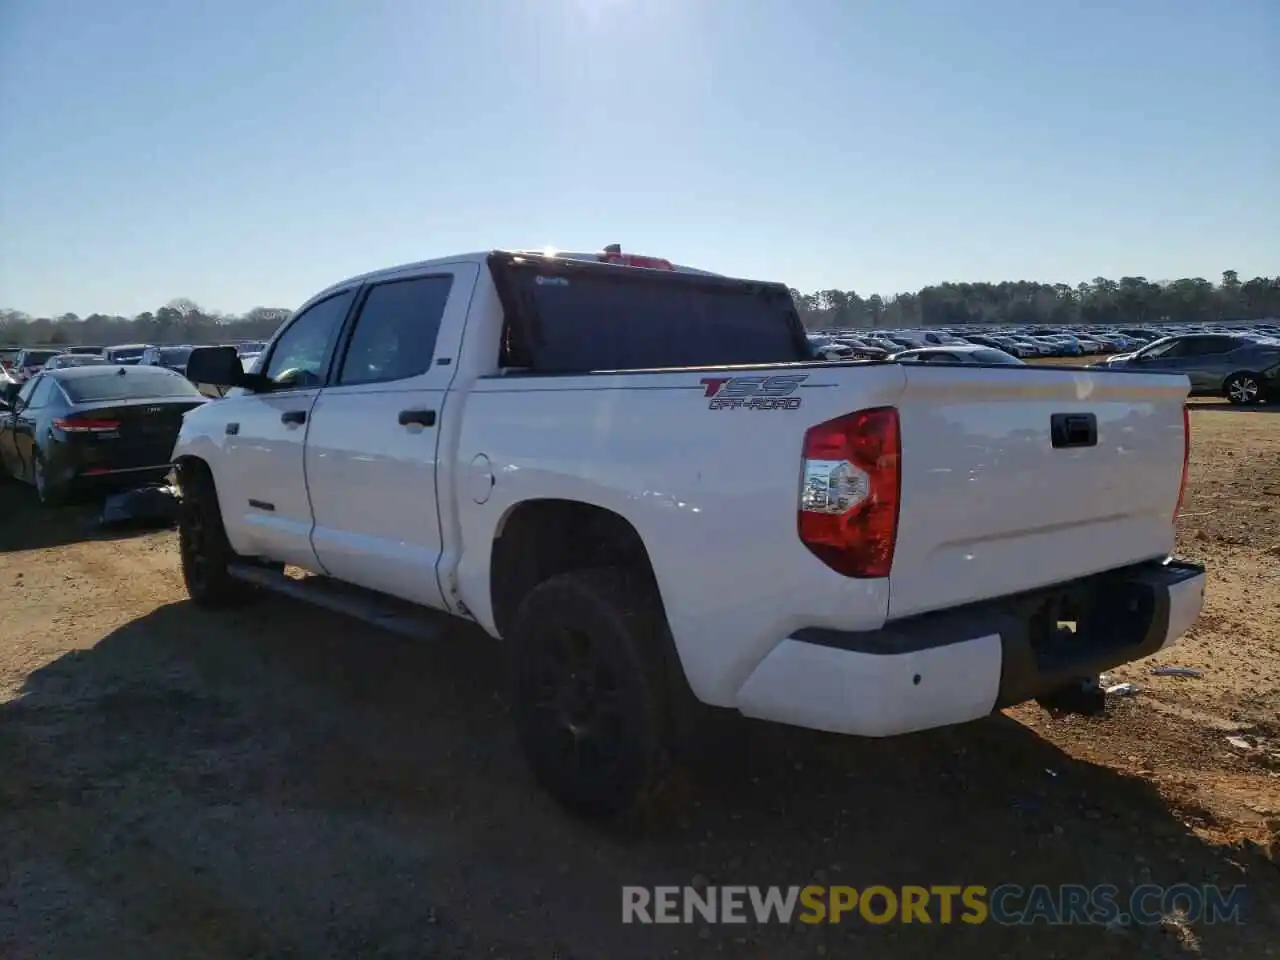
94	425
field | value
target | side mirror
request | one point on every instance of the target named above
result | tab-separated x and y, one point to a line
10	394
220	367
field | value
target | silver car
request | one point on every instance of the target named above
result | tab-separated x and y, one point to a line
1217	364
64	360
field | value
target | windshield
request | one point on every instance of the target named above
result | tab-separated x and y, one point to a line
175	355
583	319
248	349
79	360
35	358
136	383
123	354
1157	348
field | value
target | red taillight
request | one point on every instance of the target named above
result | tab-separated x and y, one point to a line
86	425
1186	460
849	491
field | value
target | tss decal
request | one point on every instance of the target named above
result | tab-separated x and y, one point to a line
754	393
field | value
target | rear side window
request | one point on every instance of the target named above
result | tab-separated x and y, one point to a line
593	319
1224	344
395	334
134	383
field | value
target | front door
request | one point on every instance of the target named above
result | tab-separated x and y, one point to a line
262	485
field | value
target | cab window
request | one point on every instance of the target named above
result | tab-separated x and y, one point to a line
395	333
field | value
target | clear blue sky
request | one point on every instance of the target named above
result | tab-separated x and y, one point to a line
246	152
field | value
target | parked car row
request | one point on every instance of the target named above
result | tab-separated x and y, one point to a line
95	425
1025	342
97	417
1235	361
23	364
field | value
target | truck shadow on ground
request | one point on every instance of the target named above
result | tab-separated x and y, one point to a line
277	781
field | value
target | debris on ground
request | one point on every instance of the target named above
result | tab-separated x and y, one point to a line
155	505
1176	672
1122	690
1240	743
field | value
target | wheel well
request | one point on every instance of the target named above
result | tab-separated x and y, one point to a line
188	467
543	538
1238	373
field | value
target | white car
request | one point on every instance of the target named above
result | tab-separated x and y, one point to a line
658	519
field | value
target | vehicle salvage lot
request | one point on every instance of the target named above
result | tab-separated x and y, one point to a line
279	781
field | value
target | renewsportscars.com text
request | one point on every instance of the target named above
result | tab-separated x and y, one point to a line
1008	904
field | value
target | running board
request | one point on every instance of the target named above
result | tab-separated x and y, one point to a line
379	609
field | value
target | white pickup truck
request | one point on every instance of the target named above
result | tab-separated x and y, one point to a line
637	476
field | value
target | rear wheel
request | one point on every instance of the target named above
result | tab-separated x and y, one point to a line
1243	389
202	542
49	492
588	699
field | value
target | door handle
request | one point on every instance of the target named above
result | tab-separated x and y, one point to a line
293	416
417	418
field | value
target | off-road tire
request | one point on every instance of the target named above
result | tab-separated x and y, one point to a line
583	635
202	543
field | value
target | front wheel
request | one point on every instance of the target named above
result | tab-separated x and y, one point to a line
202	543
588	698
1243	389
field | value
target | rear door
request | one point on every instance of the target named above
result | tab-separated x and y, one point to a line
262	485
1202	360
371	455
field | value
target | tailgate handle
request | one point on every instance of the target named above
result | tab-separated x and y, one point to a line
1073	430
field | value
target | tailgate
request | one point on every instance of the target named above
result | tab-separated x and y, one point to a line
990	506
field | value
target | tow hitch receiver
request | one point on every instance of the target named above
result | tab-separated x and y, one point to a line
1083	697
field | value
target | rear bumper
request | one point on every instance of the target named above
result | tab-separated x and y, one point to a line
954	666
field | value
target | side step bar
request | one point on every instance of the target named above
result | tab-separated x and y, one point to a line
378	609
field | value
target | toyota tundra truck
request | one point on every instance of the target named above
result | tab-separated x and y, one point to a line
639	479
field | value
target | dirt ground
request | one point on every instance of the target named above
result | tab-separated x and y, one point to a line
281	782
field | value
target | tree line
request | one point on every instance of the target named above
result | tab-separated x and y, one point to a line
178	321
1129	301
